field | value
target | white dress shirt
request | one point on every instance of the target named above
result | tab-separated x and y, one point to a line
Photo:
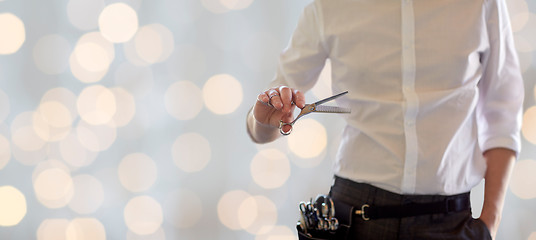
432	85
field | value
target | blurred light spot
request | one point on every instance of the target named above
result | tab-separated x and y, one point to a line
247	212
96	105
222	94
153	43
28	158
519	21
188	61
529	125
51	54
98	39
85	228
47	132
167	39
28	148
308	138
53	229
88	194
228	207
84	14
157	235
96	138
5	151
516	10
126	106
270	168
523	179
27	139
48	164
23	119
522	45
322	87
528	32
143	215
86	71
12	206
214	6
74	153
278	233
236	4
92	57
4	106
516	6
137	172
136	80
257	215
55	114
53	188
532	236
52	120
82	74
191	152
183	208
64	96
118	22
12	32
184	100
525	60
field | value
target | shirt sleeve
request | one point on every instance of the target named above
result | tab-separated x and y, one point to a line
500	108
303	59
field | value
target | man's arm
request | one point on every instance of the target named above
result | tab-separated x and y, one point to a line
500	163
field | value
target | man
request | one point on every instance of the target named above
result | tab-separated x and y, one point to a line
436	97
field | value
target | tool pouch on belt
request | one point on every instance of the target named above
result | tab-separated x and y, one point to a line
321	235
315	235
318	220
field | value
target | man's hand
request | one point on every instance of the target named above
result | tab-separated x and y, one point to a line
273	105
277	104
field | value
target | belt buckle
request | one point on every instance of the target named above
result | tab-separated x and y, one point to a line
362	212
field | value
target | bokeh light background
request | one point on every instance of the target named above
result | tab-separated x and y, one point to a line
126	120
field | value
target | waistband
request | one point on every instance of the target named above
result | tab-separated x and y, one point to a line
352	198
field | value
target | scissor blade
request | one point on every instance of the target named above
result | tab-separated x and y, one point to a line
332	109
330	98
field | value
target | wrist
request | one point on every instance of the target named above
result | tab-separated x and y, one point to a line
260	132
492	219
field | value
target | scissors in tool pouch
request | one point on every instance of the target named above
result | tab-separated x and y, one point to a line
317	218
315	107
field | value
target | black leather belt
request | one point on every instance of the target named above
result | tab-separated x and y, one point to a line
451	204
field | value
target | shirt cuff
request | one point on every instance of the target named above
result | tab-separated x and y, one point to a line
501	142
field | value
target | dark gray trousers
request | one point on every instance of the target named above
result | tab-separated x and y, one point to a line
459	225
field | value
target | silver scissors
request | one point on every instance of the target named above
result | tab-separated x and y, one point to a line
315	107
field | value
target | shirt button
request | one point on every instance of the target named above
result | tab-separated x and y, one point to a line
410	123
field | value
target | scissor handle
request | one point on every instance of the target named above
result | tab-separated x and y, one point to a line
309	108
282	124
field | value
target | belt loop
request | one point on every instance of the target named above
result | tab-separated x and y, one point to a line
447	204
372	195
